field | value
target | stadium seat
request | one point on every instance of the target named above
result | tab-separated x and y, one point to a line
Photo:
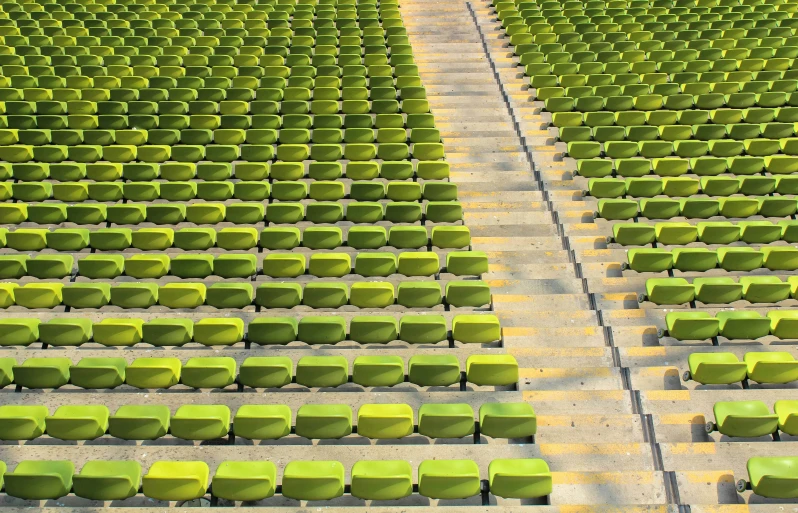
448	479
313	480
744	419
40	479
244	480
176	480
773	477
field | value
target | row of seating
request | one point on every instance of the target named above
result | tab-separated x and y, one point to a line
726	369
623	149
752	419
319	190
695	48
265	422
228	136
256	480
221	171
260	372
272	294
718	232
646	102
733	325
237	212
242	265
754	289
694	118
677	133
684	186
732	207
577	82
271	238
176	331
699	166
736	258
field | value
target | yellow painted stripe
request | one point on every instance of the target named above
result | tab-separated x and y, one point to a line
585	420
574	395
689	449
681	418
711	478
531	332
619	296
601	478
549	373
590	449
627	314
586	227
667	395
596	252
645	351
558	351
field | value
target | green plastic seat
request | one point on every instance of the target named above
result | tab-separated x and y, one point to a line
39	479
313	480
200	422
743	325
445	420
691	325
134	295
78	422
773	477
266	372
66	331
22	422
322	371
322	330
118	332
784	323
633	234
324	421
50	266
716	368
669	291
139	422
42	372
717	290
176	480
748	419
378	421
771	367
19	332
382	480
787	412
168	332
108	480
209	372
764	289
262	422
476	329
507	420
245	480
650	259
448	479
519	478
151	373
95	373
492	370
39	295
219	331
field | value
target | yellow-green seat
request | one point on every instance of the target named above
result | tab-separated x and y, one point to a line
313	480
244	480
385	421
176	480
448	479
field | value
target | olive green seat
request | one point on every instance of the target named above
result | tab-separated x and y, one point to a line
266	371
39	479
22	422
100	266
445	420
378	371
167	332
433	370
476	329
492	370
652	260
42	372
19	332
669	291
324	421
313	480
97	373
448	479
378	421
691	325
744	419
743	325
118	332
182	295
783	323
134	295
39	295
716	368
78	422
107	480
764	289
720	290
382	480
774	477
507	420
519	478
200	422
176	480
244	480
146	373
209	372
262	421
139	422
771	367
219	331
787	412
